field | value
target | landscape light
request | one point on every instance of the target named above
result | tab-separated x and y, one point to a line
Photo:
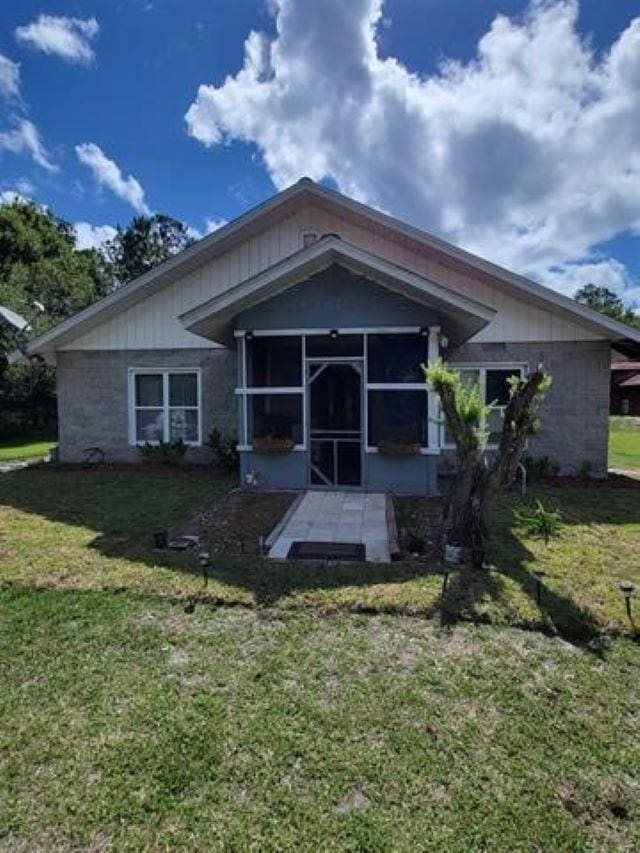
627	589
539	574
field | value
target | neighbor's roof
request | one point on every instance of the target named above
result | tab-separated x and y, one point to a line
625	365
306	190
631	382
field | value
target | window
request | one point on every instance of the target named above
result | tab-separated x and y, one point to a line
495	392
164	406
274	362
397	393
396	358
275	416
398	417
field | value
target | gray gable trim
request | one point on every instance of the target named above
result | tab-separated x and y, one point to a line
306	189
213	318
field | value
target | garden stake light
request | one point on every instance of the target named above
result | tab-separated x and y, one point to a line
160	539
627	590
203	559
445	580
539	574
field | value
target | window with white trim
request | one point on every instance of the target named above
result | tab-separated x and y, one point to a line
494	391
397	393
164	405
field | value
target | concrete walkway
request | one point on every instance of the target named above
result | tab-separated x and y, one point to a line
338	517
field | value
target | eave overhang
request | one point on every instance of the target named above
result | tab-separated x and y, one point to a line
461	317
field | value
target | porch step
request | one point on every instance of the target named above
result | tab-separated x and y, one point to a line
337	517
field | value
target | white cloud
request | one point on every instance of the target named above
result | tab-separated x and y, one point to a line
213	224
11	196
67	38
107	173
529	154
9	77
25	138
92	236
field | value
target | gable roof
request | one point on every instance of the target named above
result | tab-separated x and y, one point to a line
464	316
289	200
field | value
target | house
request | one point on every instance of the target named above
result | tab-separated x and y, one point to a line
625	388
301	328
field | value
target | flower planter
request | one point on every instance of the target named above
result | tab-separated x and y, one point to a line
393	448
273	445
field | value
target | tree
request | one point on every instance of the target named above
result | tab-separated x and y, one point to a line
480	476
42	275
146	242
607	302
44	278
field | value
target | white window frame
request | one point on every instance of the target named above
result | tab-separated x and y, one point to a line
482	368
165	372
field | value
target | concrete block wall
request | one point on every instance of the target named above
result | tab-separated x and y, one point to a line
575	415
93	398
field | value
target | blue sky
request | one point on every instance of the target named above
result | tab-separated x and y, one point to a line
373	125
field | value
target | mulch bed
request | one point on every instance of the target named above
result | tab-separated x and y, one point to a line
235	524
418	520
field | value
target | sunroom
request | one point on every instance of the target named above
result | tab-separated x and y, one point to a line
330	387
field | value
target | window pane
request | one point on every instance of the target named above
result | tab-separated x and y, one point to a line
396	358
498	386
149	389
274	362
319	346
183	423
495	422
149	425
183	389
275	416
398	417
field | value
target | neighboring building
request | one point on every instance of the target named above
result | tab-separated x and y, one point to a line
625	388
301	327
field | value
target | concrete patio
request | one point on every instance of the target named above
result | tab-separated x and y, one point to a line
353	517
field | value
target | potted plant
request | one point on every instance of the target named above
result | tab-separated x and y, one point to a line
275	434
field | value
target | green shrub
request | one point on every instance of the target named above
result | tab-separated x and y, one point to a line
164	453
225	454
538	520
538	467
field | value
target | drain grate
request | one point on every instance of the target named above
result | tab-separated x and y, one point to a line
352	551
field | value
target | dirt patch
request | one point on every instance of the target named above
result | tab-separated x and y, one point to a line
418	519
238	522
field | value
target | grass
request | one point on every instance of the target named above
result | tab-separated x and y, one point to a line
624	443
319	709
25	448
92	530
126	724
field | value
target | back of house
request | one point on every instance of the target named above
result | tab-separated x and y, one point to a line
301	328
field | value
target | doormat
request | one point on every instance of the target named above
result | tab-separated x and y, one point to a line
352	551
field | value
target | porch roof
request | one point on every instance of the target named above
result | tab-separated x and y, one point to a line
460	317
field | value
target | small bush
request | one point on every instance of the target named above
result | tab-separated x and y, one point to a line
223	447
538	467
537	520
164	453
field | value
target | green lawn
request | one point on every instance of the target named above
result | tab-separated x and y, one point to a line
320	709
624	443
25	448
